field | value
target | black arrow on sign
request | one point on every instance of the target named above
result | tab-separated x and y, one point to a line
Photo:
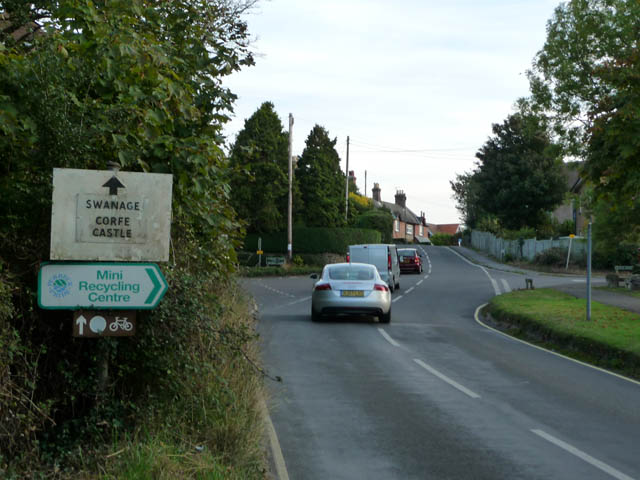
114	184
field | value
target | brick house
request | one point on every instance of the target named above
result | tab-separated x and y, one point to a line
407	225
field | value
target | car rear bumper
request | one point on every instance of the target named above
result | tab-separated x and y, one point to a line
374	311
410	268
377	303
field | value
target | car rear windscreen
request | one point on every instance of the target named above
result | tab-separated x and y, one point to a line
349	272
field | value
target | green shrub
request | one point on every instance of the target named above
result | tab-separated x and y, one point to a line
377	219
606	256
524	233
552	257
443	239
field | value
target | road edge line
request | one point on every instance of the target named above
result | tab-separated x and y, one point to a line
276	451
609	372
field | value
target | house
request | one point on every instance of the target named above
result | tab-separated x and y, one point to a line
447	228
407	226
570	209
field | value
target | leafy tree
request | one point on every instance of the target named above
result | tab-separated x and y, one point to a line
586	79
322	183
133	82
519	175
613	156
465	193
567	78
260	183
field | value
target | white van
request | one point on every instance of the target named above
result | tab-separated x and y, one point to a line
383	257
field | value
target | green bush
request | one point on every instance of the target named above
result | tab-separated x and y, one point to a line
377	219
443	239
552	257
313	240
606	256
524	233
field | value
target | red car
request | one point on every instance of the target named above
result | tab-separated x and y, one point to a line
410	260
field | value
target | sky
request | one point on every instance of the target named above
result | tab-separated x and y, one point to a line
415	84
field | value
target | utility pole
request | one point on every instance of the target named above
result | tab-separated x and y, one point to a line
365	184
346	195
290	207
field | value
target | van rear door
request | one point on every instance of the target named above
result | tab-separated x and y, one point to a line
359	254
378	257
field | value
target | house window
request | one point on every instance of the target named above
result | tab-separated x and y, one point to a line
421	230
409	229
397	225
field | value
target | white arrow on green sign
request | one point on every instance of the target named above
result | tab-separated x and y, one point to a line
115	286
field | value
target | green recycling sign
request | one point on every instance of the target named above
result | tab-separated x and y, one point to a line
113	286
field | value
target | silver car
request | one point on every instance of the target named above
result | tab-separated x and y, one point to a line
351	289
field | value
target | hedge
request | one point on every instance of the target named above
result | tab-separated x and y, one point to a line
313	240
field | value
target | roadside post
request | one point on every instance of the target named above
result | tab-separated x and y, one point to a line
260	252
589	272
569	251
106	226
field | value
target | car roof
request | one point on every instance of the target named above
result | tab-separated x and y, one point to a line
350	264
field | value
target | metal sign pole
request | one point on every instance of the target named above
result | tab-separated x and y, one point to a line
589	272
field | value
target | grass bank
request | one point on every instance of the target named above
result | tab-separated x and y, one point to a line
212	429
557	320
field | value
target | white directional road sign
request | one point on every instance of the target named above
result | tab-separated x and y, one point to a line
116	286
110	216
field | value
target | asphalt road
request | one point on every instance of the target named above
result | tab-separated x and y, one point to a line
435	395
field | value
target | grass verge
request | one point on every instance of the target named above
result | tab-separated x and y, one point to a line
213	429
551	318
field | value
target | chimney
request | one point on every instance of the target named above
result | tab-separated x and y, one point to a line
376	192
401	199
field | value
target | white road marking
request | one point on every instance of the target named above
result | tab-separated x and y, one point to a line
505	285
388	338
409	290
297	301
478	321
397	298
583	456
420	282
446	379
496	289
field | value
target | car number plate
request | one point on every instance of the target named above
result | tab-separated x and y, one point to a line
352	293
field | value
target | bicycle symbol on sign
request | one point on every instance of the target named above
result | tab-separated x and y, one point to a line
121	323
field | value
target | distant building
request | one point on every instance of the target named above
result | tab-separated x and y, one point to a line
407	225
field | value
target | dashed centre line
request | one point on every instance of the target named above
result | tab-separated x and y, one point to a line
446	379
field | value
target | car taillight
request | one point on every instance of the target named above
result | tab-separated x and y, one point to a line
348	258
381	288
389	261
323	286
416	260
